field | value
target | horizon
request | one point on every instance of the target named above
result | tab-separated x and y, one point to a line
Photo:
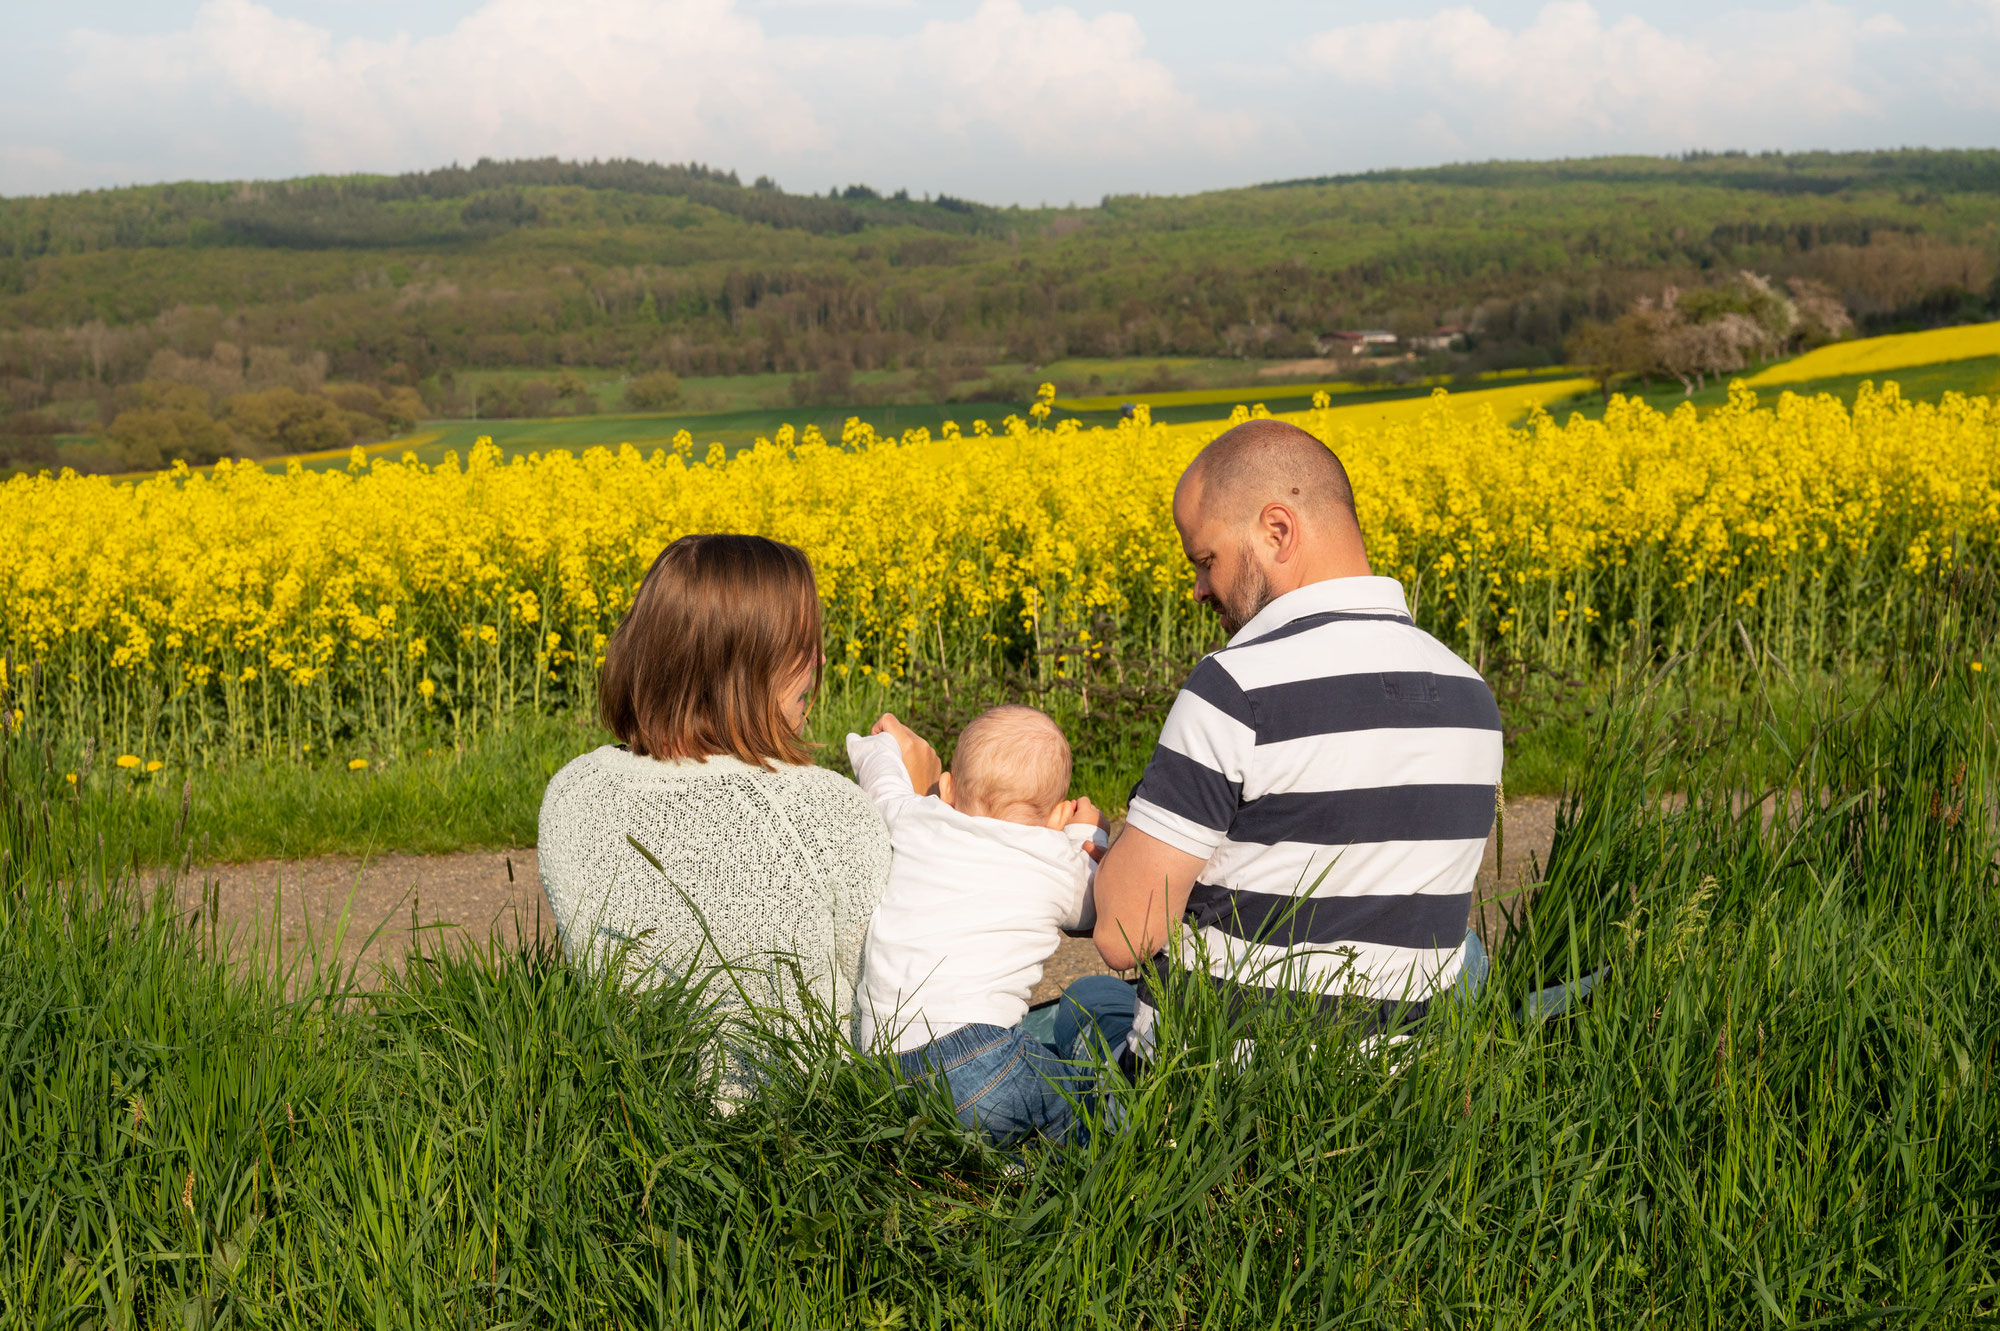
1013	102
745	179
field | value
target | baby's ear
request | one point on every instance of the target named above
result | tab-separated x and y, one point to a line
1060	816
945	790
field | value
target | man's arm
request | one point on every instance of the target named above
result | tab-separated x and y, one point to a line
1181	811
1142	888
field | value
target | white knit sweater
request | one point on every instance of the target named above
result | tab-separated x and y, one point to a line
784	863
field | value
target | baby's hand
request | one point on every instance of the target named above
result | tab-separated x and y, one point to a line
1083	811
1071	812
920	760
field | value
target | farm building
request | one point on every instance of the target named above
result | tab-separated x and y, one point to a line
1447	337
1355	341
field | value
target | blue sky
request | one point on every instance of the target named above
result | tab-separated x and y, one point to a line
1000	100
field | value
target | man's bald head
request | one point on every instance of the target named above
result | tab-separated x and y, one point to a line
1270	462
1262	511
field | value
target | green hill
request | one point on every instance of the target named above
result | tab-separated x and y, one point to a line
435	279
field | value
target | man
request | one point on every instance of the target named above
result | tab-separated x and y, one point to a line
1321	794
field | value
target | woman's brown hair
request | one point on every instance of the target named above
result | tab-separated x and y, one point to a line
719	626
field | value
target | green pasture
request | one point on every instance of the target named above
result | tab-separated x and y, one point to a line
1926	383
736	430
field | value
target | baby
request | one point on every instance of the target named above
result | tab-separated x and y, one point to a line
987	874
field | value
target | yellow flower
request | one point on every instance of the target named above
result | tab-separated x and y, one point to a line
128	760
357	765
155	765
1567	542
1976	667
70	777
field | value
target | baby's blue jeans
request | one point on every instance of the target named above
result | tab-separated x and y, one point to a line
1011	1085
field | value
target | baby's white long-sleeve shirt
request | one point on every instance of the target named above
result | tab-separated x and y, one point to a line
973	910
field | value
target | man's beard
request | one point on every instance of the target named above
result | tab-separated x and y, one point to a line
1251	594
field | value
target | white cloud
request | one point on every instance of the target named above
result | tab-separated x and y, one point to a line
1569	80
684	79
669	78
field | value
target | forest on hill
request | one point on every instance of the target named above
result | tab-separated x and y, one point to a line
183	298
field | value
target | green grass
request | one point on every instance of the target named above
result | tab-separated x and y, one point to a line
436	794
432	798
741	426
1778	1108
1927	383
739	429
734	430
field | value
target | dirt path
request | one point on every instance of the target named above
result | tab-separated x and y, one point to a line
394	900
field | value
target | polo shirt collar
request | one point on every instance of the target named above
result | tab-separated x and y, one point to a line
1376	596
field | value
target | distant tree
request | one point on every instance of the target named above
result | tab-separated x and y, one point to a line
284	420
402	408
1620	349
359	399
1720	344
276	367
152	437
538	397
1823	316
655	391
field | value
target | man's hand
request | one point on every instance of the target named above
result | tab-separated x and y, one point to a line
920	760
1142	889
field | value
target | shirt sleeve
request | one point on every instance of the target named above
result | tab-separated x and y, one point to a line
1194	784
878	769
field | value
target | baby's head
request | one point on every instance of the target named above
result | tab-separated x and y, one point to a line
1012	764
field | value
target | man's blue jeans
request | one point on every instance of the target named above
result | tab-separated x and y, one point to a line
1010	1084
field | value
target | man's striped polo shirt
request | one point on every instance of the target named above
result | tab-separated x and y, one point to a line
1335	766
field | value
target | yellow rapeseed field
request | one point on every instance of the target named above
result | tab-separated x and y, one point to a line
263	610
1879	355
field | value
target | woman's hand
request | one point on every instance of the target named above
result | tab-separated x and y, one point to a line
920	760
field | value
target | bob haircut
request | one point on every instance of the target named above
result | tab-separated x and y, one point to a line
695	667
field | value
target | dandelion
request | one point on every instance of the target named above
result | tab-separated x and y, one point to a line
357	764
1977	667
70	777
128	760
155	765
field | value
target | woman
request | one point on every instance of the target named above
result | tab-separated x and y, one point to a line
759	860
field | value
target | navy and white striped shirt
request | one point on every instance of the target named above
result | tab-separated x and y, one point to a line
1336	767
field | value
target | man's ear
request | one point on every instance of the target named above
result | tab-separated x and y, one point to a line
1280	526
945	790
